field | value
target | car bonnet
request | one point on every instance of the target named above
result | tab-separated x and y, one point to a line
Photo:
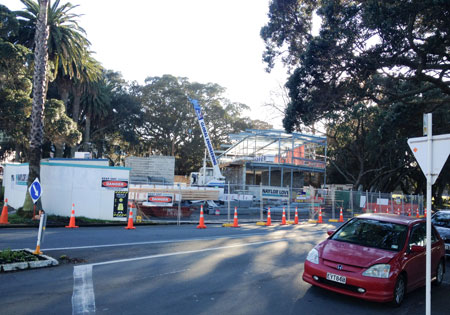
352	254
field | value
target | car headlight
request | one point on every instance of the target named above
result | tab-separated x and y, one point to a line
378	271
313	256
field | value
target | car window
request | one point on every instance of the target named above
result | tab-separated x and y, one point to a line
373	233
418	235
441	219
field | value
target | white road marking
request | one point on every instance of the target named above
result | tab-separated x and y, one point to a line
83	297
185	252
237	236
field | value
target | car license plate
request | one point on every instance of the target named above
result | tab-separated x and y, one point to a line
336	278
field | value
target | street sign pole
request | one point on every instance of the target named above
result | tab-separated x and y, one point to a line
429	130
431	153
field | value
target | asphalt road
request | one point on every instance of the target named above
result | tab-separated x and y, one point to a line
183	270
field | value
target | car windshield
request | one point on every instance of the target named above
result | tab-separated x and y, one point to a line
441	219
373	233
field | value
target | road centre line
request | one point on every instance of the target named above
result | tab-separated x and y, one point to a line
237	236
187	252
83	296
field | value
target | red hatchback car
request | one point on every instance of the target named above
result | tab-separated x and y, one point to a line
376	257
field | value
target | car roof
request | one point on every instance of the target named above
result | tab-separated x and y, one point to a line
393	218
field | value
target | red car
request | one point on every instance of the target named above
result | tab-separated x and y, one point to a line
376	257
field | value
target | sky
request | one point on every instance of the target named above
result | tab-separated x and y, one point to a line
204	40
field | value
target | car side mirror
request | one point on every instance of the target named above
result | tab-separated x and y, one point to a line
329	232
417	249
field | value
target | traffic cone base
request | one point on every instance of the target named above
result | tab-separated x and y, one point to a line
72	219
4	216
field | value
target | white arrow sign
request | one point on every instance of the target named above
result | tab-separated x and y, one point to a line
440	153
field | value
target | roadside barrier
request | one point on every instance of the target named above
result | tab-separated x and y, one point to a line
72	218
235	220
130	225
269	219
341	216
4	216
283	218
201	223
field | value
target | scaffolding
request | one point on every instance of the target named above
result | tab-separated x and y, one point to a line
268	151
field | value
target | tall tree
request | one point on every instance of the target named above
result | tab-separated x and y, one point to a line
389	57
39	94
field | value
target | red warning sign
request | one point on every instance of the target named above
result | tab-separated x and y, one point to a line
108	183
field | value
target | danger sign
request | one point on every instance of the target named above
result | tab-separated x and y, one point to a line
113	183
159	199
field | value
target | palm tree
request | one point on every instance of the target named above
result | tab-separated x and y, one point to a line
73	65
67	43
39	94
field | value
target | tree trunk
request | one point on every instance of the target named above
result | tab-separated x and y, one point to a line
39	94
87	129
76	114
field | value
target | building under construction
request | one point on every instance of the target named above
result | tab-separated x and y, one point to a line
273	158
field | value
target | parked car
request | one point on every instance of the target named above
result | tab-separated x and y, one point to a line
376	257
441	220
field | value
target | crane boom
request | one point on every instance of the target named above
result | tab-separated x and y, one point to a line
208	144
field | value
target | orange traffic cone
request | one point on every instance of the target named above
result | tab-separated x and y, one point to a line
425	212
4	216
283	218
341	216
201	223
130	225
417	213
296	216
269	219
320	216
235	221
409	212
72	218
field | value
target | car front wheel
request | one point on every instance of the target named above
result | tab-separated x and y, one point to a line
399	291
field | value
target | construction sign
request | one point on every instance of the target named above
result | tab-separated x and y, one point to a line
159	199
120	204
114	183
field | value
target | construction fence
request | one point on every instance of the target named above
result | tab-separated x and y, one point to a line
308	201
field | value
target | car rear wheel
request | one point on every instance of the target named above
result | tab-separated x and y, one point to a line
439	273
399	291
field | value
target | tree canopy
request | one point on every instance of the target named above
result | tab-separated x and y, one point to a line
93	109
370	73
